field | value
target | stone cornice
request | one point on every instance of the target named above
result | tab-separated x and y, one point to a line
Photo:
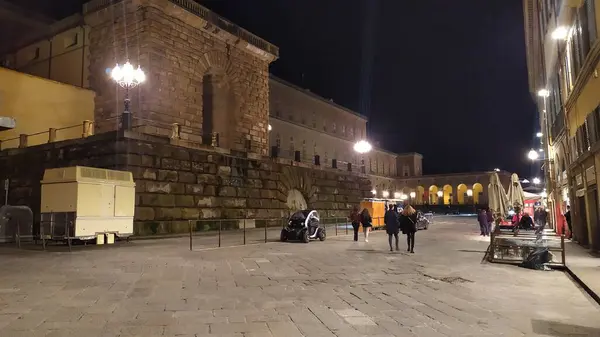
203	19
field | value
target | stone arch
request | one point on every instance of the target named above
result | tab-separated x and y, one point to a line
433	197
461	194
447	189
420	195
295	200
477	192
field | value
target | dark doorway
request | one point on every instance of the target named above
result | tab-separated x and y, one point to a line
581	231
594	224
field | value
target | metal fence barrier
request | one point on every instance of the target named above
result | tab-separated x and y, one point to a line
514	247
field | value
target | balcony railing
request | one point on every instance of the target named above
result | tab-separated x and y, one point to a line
204	13
49	136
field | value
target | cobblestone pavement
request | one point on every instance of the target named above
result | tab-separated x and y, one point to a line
332	288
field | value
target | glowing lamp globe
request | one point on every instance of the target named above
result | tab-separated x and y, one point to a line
362	147
533	155
127	76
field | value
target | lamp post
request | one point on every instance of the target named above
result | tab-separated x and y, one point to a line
127	77
470	195
440	195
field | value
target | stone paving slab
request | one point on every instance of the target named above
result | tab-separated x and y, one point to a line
334	288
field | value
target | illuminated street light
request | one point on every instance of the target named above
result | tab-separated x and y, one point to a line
374	191
544	93
533	155
544	194
385	194
362	146
497	169
413	195
397	195
536	181
127	77
440	194
525	181
403	197
539	135
469	193
269	127
541	150
560	33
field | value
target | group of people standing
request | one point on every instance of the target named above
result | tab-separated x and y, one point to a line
485	217
394	223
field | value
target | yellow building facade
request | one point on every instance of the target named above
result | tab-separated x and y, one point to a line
563	58
44	110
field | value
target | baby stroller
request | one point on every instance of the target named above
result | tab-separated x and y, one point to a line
304	226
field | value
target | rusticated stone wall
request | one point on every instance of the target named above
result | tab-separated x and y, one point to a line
180	53
175	184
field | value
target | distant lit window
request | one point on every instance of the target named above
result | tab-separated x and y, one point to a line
351	132
333	127
343	130
292	148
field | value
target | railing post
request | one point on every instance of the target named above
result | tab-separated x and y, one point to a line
190	223
244	232
336	229
219	233
22	140
51	135
67	231
18	234
0	145
43	235
346	225
266	223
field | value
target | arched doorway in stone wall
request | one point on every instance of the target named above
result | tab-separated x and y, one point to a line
461	194
477	193
447	194
433	195
420	195
295	201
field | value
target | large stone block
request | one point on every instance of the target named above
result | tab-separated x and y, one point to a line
184	201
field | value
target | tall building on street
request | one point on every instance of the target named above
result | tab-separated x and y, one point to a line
563	55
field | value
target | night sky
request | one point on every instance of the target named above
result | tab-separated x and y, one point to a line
447	79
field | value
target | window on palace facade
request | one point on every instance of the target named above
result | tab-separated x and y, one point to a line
314	120
334	127
351	132
278	141
326	159
292	148
343	130
303	151
325	125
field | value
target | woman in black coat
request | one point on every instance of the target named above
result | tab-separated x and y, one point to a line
408	223
391	225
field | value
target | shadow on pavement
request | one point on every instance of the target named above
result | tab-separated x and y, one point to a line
557	329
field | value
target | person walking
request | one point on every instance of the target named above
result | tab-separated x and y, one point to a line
482	219
408	223
568	219
367	223
490	220
391	225
355	220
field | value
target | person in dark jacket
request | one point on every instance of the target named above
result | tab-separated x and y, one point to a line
391	225
367	223
526	222
482	219
408	223
490	219
568	219
355	219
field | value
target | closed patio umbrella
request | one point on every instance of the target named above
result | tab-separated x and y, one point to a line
515	194
497	195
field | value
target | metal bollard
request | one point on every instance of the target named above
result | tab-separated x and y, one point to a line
346	225
219	233
563	252
244	232
191	246
266	231
336	229
492	248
